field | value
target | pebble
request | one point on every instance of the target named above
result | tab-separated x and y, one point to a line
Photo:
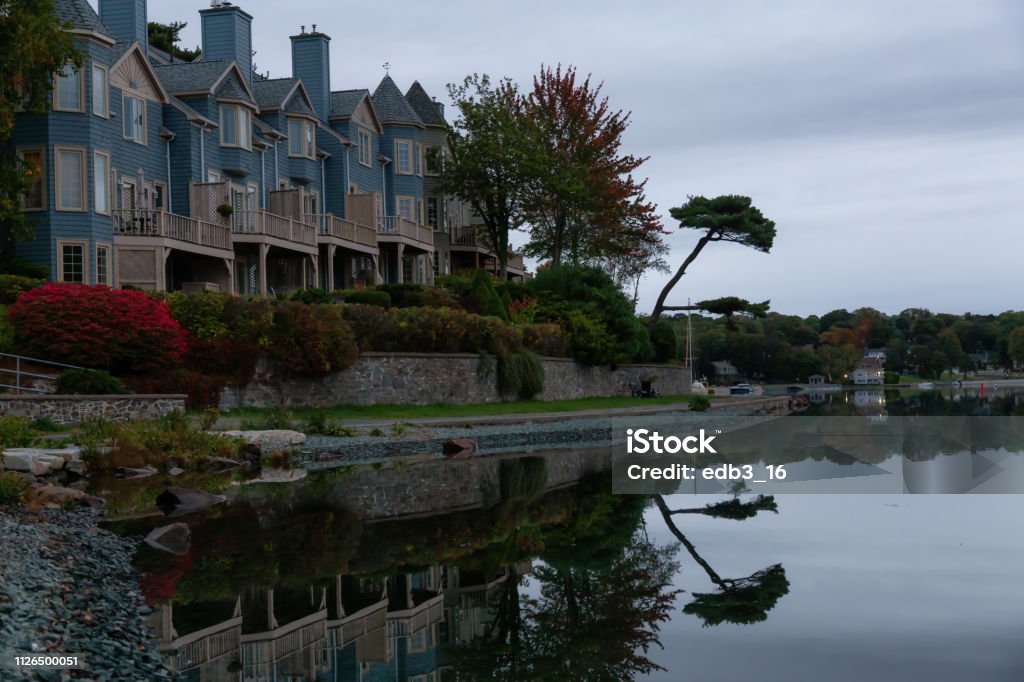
70	586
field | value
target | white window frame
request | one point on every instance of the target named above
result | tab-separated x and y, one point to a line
79	108
103	94
143	132
41	151
412	207
418	160
306	139
108	260
437	213
98	192
84	245
399	145
212	177
365	147
82	155
162	187
242	118
426	164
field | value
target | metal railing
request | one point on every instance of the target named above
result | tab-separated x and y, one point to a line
145	223
19	386
348	230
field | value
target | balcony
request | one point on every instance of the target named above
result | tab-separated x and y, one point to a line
287	233
470	242
346	233
399	229
188	234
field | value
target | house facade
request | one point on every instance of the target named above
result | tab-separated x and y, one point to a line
205	175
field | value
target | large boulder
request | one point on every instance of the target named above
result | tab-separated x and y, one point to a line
35	461
460	448
61	497
269	441
278	476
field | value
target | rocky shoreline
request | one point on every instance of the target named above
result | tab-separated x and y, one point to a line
68	587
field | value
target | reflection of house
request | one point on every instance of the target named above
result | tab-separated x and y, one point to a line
870	403
816	379
724	370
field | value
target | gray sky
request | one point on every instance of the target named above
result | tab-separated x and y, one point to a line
885	139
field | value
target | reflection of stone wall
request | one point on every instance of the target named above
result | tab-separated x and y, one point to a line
72	409
423	379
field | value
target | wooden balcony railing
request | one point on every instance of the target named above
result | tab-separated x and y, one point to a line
263	223
515	262
466	236
398	226
144	223
347	230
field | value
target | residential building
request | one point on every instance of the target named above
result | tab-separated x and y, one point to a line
206	175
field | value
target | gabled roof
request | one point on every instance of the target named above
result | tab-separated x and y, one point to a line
425	107
191	114
81	16
345	104
203	77
392	106
272	94
267	130
125	51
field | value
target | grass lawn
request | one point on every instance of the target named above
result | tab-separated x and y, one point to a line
446	410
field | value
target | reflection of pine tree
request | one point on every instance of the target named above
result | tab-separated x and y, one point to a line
740	600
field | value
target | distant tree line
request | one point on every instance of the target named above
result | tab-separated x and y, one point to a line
776	347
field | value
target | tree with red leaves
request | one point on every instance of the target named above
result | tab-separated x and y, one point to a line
586	207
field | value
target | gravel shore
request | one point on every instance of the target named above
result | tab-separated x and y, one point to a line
68	587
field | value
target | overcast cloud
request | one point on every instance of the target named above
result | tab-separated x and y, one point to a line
885	139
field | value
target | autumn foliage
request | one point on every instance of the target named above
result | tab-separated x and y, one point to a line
122	331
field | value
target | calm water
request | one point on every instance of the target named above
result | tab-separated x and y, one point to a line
305	582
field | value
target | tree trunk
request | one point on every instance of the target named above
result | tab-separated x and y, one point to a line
667	515
659	307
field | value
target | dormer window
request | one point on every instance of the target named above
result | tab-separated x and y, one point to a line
301	139
235	126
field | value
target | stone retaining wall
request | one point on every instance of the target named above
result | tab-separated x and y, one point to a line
424	379
72	409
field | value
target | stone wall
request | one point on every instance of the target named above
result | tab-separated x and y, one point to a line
424	379
72	409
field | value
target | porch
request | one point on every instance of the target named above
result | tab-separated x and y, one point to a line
470	251
349	253
162	251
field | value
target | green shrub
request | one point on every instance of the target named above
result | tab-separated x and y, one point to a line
12	489
520	374
320	423
523	478
12	285
403	295
6	332
201	389
430	330
381	299
663	338
892	377
547	339
598	317
311	296
699	403
16	432
89	382
160	443
311	339
277	417
484	299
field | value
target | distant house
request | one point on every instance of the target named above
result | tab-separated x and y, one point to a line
724	369
816	379
867	376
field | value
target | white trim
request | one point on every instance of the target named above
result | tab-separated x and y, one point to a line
398	157
84	243
109	261
104	92
43	203
96	194
365	147
80	73
144	141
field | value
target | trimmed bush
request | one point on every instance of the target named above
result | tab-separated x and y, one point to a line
403	295
484	299
89	382
311	339
12	285
547	339
699	403
663	338
311	295
97	327
381	299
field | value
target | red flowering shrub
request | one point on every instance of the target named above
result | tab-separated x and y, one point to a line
311	339
124	332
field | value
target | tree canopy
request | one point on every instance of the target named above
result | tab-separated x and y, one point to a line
165	37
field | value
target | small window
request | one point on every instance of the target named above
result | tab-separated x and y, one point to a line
418	160
432	212
403	154
134	119
72	265
100	92
159	196
68	90
405	207
103	264
101	182
432	160
365	148
70	179
300	139
34	198
235	127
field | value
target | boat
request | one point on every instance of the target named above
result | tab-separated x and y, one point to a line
741	389
926	385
